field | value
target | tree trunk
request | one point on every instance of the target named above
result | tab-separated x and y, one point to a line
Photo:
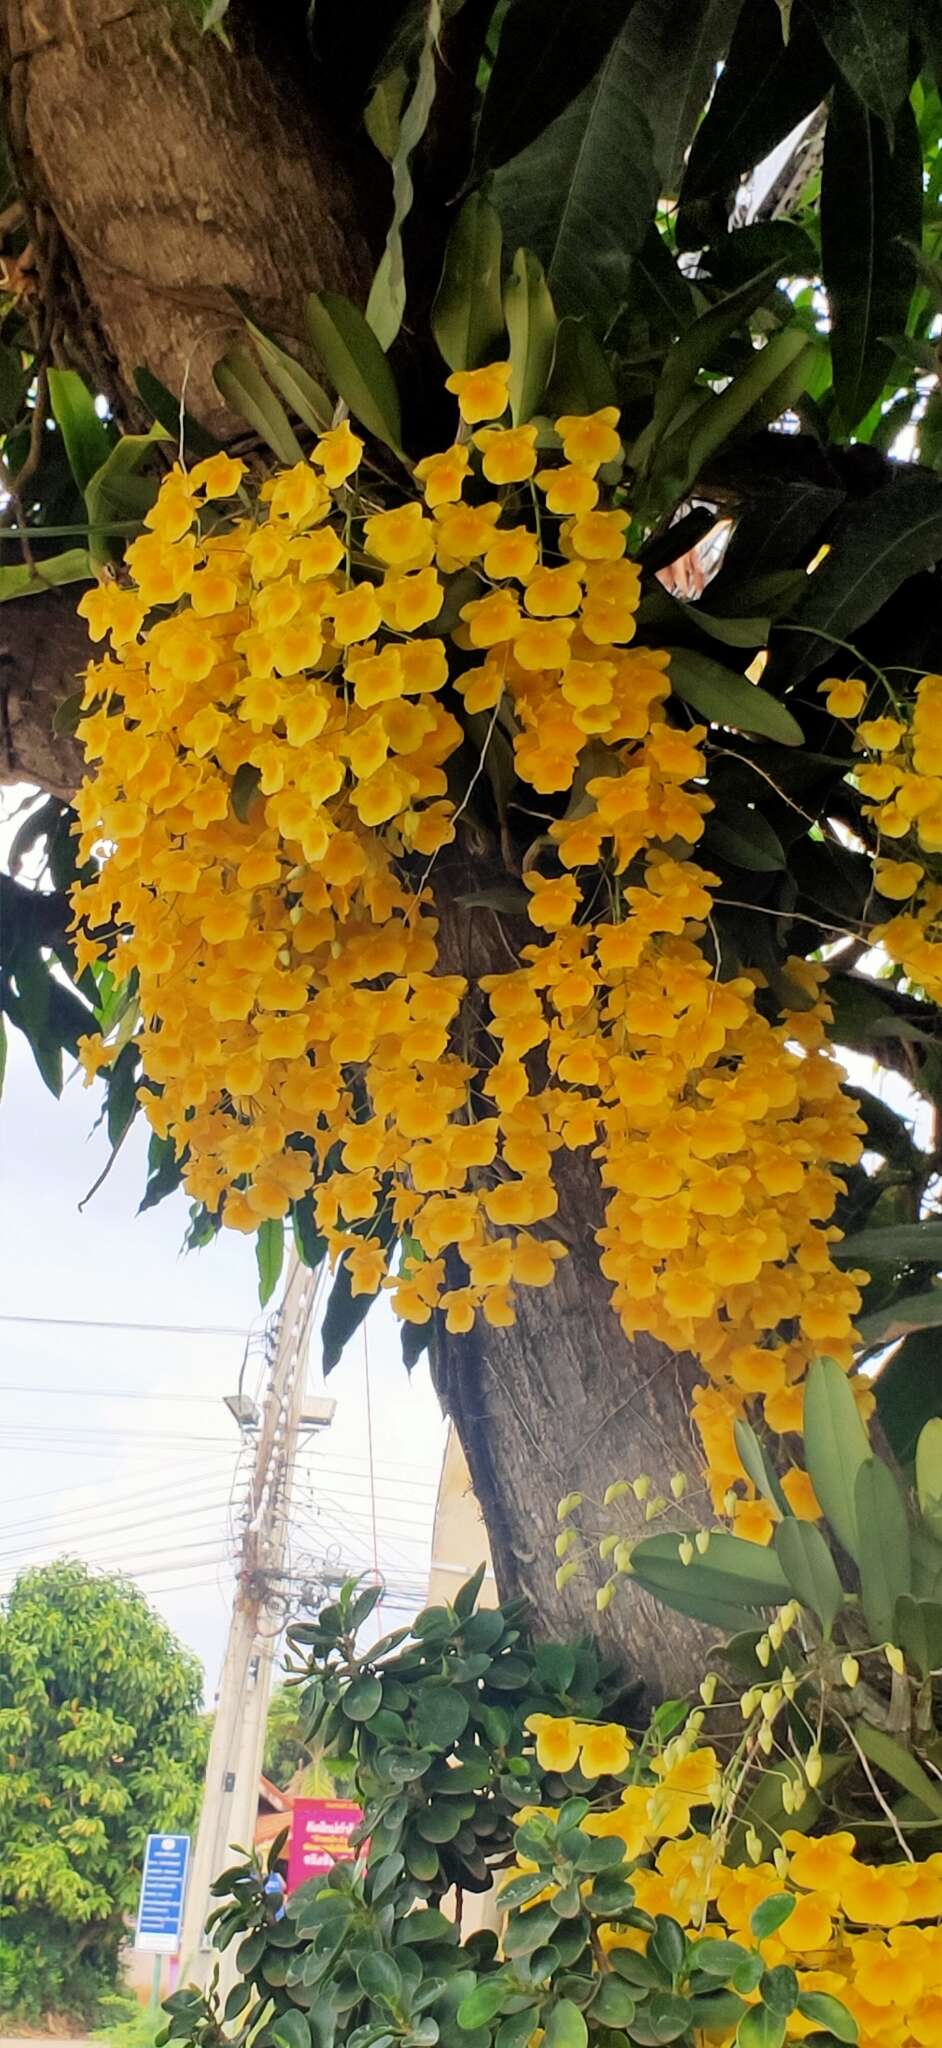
43	646
561	1402
159	170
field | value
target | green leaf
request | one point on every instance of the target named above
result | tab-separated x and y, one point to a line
871	210
666	2017
876	544
116	492
356	365
290	2030
311	1248
520	1890
899	1318
836	1445
269	1256
382	114
760	2028
917	1628
531	325
34	987
897	1244
869	42
244	789
440	1718
85	436
483	2003
725	698
696	349
810	1569
745	838
239	379
122	1093
543	60
772	381
778	1990
582	196
732	1575
768	85
25	580
744	251
581	379
528	1931
302	391
755	1463
386	304
890	1757
613	2004
909	1394
379	1976
555	1666
363	1698
824	2011
929	1475
467	313
675	49
668	1945
345	1310
564	2027
772	1914
170	414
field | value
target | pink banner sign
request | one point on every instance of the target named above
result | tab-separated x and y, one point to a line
320	1837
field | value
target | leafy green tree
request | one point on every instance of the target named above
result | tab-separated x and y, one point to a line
102	1742
286	1750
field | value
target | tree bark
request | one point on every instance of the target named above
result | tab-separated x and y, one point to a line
160	171
561	1402
43	647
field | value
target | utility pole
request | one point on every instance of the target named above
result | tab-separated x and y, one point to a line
230	1797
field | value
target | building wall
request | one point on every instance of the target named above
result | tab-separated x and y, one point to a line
459	1538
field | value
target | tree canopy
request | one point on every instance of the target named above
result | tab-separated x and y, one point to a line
102	1742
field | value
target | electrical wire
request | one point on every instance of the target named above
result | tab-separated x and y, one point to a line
91	1539
112	1504
160	1329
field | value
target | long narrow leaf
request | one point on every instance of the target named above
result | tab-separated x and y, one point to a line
836	1445
871	214
531	325
468	314
726	698
386	304
85	436
243	387
355	364
582	196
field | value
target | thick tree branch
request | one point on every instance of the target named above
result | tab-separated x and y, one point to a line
161	170
43	649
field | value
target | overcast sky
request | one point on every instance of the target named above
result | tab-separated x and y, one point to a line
114	1443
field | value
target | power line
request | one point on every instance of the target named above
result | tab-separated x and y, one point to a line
160	1329
202	1467
104	1393
98	1534
112	1504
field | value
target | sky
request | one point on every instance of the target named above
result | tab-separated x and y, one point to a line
115	1445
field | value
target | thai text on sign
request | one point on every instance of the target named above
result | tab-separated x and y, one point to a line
320	1837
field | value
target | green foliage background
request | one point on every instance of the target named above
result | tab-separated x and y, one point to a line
102	1741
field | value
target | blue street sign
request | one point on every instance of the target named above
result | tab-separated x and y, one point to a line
163	1886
